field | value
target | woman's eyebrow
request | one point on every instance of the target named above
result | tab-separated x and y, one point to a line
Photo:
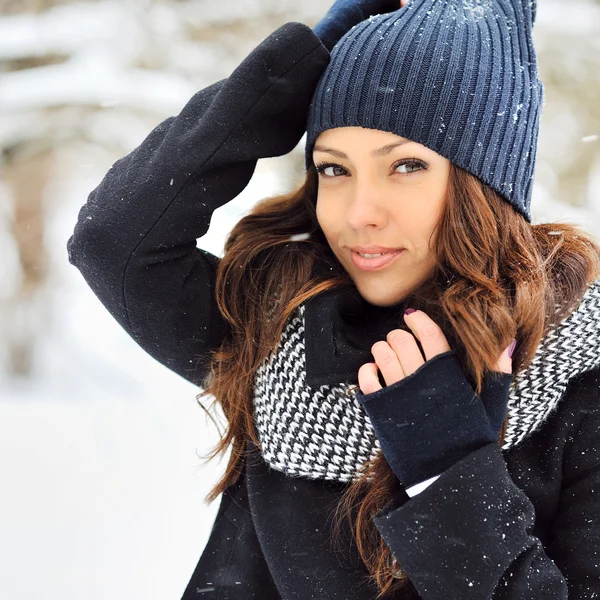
383	151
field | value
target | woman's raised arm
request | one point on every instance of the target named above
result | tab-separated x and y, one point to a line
135	238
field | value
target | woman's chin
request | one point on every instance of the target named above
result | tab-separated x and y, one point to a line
380	297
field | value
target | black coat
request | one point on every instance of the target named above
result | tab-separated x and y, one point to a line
504	525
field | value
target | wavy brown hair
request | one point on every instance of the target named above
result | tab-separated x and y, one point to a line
497	277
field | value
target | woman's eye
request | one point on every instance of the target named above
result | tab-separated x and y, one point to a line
411	166
330	170
407	166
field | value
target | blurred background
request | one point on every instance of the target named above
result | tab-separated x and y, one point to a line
102	483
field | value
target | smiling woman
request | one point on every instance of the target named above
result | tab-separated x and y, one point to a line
385	193
423	125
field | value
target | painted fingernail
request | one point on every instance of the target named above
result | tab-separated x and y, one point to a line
511	348
410	311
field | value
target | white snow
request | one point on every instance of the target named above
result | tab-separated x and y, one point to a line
102	486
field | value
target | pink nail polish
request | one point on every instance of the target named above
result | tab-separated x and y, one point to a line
410	311
511	348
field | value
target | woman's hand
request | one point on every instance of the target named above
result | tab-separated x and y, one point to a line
428	417
345	14
399	356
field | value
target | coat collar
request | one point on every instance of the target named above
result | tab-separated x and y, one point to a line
340	329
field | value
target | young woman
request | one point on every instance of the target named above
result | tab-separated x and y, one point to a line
376	451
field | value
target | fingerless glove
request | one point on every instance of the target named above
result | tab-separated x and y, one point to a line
433	418
345	14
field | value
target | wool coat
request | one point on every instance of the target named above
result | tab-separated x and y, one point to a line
507	525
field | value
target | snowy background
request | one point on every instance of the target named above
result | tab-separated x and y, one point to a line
102	484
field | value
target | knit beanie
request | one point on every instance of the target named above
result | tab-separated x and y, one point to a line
458	76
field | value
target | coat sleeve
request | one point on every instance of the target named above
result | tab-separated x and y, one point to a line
469	534
135	238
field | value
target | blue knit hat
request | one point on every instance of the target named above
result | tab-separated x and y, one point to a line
458	76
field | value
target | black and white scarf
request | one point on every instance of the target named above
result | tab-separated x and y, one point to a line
323	432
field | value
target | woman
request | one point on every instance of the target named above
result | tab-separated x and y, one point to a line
374	452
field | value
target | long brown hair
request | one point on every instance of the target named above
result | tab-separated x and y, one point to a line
497	277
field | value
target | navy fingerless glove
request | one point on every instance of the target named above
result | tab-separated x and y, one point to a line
345	14
433	418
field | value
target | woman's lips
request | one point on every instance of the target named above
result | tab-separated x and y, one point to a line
373	264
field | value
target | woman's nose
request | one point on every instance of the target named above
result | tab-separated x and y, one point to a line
366	208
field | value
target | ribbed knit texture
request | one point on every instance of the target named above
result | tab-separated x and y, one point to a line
458	76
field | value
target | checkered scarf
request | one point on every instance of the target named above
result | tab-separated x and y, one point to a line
323	433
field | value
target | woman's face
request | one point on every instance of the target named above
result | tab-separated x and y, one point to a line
379	189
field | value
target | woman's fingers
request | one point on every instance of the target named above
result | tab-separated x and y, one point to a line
428	332
387	361
368	381
399	356
405	347
504	364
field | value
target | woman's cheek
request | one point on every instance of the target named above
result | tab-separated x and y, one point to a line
331	222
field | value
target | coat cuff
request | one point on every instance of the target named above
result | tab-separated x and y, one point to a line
458	537
413	490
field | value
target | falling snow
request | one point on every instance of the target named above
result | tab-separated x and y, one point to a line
589	138
82	388
299	237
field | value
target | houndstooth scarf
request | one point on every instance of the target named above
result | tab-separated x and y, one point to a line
323	433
